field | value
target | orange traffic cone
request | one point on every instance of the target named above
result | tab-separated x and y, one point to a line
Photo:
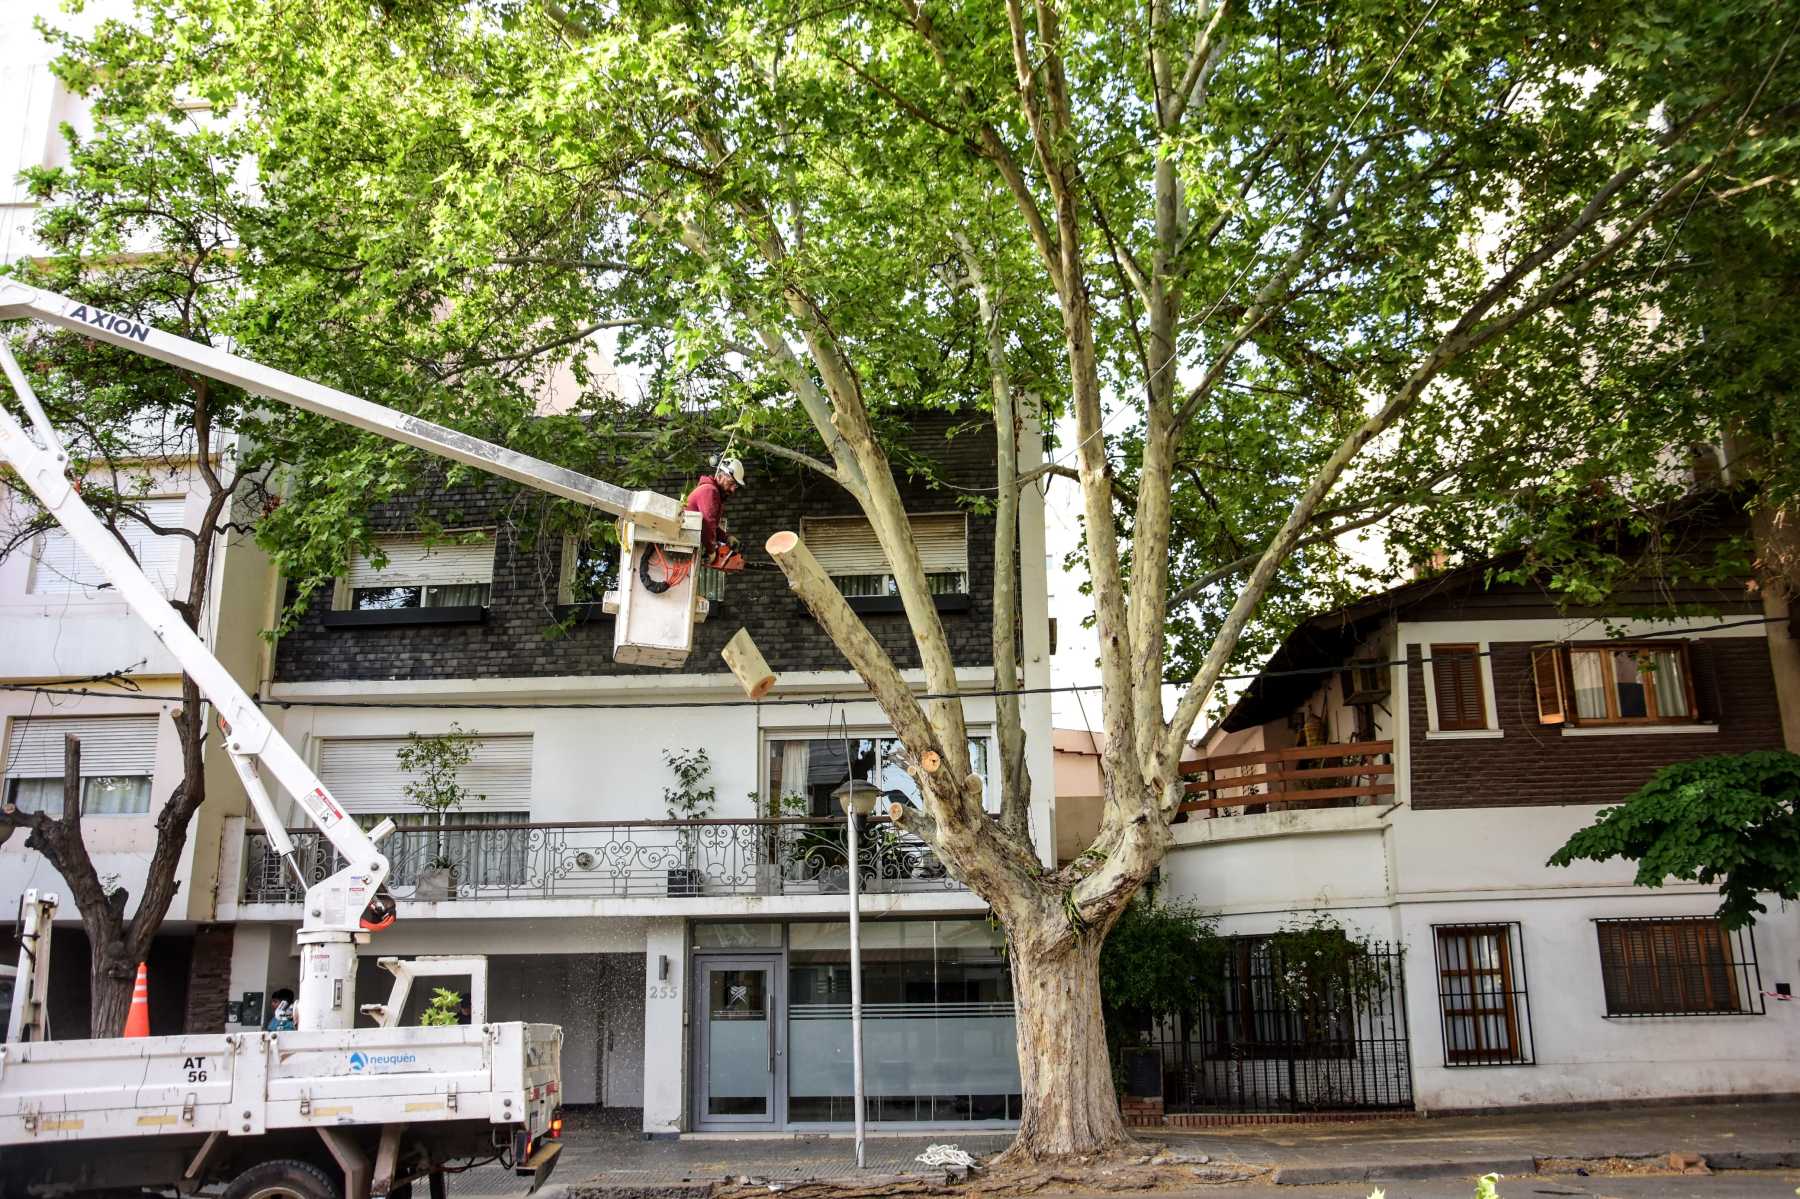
137	1021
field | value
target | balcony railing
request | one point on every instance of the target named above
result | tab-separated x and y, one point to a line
611	859
1312	776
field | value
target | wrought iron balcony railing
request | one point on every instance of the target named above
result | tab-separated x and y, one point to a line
609	859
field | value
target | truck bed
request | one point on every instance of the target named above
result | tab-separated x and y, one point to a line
243	1084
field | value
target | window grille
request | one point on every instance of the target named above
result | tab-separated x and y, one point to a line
1482	996
1678	966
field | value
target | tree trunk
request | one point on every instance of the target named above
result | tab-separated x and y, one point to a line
113	979
1070	1104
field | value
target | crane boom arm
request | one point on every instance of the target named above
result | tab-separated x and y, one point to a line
250	738
335	905
658	512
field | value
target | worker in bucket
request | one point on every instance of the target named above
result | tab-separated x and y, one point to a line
718	548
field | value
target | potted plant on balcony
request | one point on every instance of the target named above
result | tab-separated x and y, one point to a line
776	862
691	798
436	788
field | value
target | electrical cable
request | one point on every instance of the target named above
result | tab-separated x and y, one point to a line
839	697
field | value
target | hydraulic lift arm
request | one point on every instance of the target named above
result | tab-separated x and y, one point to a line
342	909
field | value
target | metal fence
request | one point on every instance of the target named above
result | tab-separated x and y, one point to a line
1282	1037
604	859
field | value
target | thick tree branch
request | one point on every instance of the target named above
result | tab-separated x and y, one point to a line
1467	334
1015	791
993	146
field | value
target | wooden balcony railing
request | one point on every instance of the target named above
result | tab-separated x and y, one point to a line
1315	776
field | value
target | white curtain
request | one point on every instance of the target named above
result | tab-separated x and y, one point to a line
1590	685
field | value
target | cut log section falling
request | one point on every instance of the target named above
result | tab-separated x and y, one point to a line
747	663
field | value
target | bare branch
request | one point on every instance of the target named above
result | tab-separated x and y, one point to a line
1201	63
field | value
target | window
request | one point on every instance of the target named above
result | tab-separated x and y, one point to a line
118	758
365	777
940	1034
58	567
804	771
1457	687
1273	1007
590	569
1481	995
846	547
1622	684
1678	966
421	575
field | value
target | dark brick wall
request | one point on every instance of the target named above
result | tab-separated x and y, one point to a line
513	641
1535	764
209	979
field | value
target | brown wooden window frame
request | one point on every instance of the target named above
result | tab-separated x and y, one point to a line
1553	672
1508	1013
1646	968
1444	653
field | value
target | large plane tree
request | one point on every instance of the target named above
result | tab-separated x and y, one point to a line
1284	270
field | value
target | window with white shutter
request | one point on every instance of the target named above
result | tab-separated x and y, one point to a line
58	567
418	574
848	550
118	757
364	774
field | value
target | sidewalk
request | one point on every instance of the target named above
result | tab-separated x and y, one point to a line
1728	1136
615	1162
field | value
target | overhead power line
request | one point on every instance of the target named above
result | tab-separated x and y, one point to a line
838	697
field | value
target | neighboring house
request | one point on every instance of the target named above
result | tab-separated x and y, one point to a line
59	621
62	623
1415	805
699	970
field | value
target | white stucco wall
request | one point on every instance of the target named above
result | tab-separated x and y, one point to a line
605	764
1581	1055
665	1026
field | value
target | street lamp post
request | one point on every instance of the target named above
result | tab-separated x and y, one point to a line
857	797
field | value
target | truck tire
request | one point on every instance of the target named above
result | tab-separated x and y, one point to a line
283	1179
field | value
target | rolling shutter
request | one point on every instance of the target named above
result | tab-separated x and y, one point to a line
60	568
1549	679
1456	677
110	745
365	776
411	562
846	545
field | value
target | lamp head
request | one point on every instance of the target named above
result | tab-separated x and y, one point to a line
857	795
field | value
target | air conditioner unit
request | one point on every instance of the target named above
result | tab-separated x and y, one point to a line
1365	681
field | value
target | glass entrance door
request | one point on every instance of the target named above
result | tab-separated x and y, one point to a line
737	1041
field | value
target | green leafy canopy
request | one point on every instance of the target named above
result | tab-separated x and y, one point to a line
1729	820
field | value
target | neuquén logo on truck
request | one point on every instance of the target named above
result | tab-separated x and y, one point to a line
111	322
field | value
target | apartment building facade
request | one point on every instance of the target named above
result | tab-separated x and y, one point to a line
668	938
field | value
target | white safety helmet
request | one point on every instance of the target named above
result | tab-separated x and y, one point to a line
731	466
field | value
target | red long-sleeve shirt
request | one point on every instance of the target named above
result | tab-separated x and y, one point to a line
708	499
